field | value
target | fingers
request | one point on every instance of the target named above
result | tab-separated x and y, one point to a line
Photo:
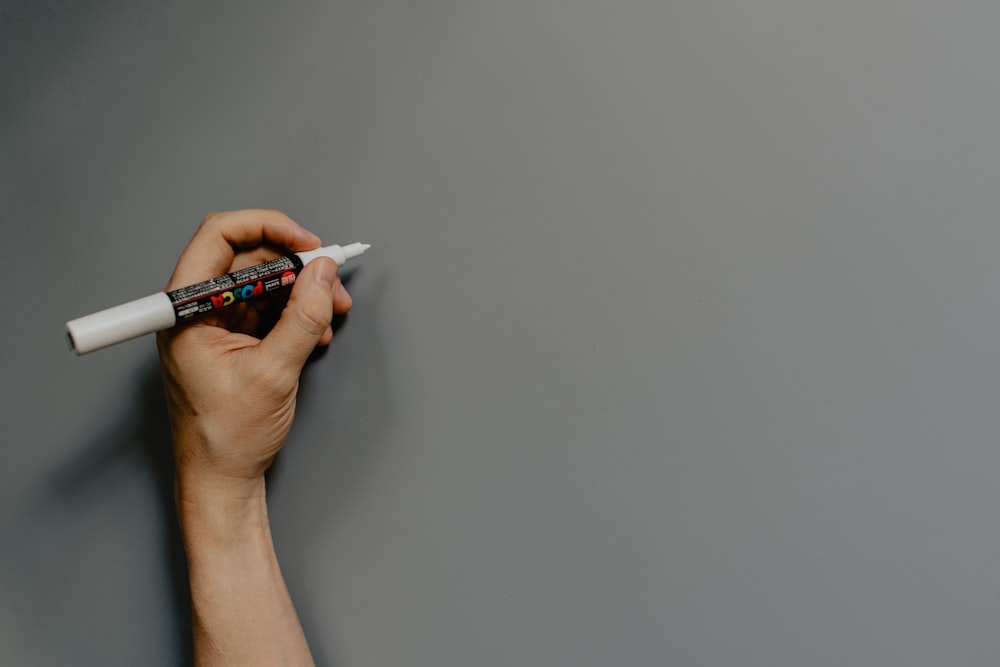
342	301
326	338
210	252
306	319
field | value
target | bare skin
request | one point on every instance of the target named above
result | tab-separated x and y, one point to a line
231	381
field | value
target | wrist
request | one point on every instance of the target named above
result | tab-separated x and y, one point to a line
222	456
215	511
198	482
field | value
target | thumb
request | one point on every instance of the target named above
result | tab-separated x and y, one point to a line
304	319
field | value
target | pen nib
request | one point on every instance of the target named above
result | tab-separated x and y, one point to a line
355	249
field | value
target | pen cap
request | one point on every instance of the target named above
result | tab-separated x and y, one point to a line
121	323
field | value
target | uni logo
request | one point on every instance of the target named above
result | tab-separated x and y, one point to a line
287	278
238	294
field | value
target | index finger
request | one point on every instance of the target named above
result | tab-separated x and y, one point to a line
211	251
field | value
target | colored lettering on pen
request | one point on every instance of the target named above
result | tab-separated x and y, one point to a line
243	293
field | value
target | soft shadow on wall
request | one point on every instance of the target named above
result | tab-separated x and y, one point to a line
143	432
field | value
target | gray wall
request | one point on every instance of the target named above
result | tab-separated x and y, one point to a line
677	344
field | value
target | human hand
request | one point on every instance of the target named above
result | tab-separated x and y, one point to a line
231	384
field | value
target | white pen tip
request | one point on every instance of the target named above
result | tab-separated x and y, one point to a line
354	249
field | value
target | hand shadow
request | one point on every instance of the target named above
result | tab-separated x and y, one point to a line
143	430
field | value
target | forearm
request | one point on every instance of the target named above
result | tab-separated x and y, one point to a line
243	613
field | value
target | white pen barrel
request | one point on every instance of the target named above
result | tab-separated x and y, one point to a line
162	310
121	323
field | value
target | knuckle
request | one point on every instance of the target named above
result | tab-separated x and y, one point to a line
280	217
269	380
271	215
314	316
210	219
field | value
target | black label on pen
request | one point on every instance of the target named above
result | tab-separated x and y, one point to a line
235	287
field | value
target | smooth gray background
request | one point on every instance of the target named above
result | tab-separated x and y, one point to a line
677	344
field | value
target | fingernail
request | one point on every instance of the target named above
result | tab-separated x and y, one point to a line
326	273
342	293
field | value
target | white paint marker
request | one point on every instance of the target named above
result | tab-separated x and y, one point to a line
165	309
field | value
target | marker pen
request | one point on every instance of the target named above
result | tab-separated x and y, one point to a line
165	309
